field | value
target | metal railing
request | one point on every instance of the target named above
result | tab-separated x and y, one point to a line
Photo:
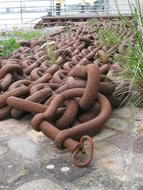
29	11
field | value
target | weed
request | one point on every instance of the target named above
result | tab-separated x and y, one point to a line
51	54
67	29
26	35
8	46
108	37
134	60
18	33
94	21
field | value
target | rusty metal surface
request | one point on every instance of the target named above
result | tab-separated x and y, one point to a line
69	97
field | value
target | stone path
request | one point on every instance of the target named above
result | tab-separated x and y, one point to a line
30	161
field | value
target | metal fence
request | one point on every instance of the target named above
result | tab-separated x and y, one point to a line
19	12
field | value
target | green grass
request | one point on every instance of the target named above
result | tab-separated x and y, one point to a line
134	64
51	54
21	34
132	57
8	46
133	61
26	35
108	37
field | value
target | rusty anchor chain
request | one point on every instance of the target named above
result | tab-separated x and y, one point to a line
69	98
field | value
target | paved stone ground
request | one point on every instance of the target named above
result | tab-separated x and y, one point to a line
30	161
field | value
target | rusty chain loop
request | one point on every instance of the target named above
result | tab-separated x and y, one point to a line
81	149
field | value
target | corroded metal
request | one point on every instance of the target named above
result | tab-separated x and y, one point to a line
69	98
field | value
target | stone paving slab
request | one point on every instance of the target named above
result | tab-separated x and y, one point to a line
30	161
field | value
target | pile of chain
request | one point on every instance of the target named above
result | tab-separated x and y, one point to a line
42	24
70	99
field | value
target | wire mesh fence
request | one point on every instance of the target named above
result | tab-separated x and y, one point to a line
19	12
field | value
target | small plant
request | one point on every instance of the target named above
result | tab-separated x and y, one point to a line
108	37
107	34
66	29
8	46
51	54
94	21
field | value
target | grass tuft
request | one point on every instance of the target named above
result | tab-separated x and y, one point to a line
134	60
8	46
51	54
108	37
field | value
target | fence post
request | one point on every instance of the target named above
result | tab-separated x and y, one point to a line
53	8
65	12
21	12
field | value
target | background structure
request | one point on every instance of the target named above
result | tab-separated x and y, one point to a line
15	12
